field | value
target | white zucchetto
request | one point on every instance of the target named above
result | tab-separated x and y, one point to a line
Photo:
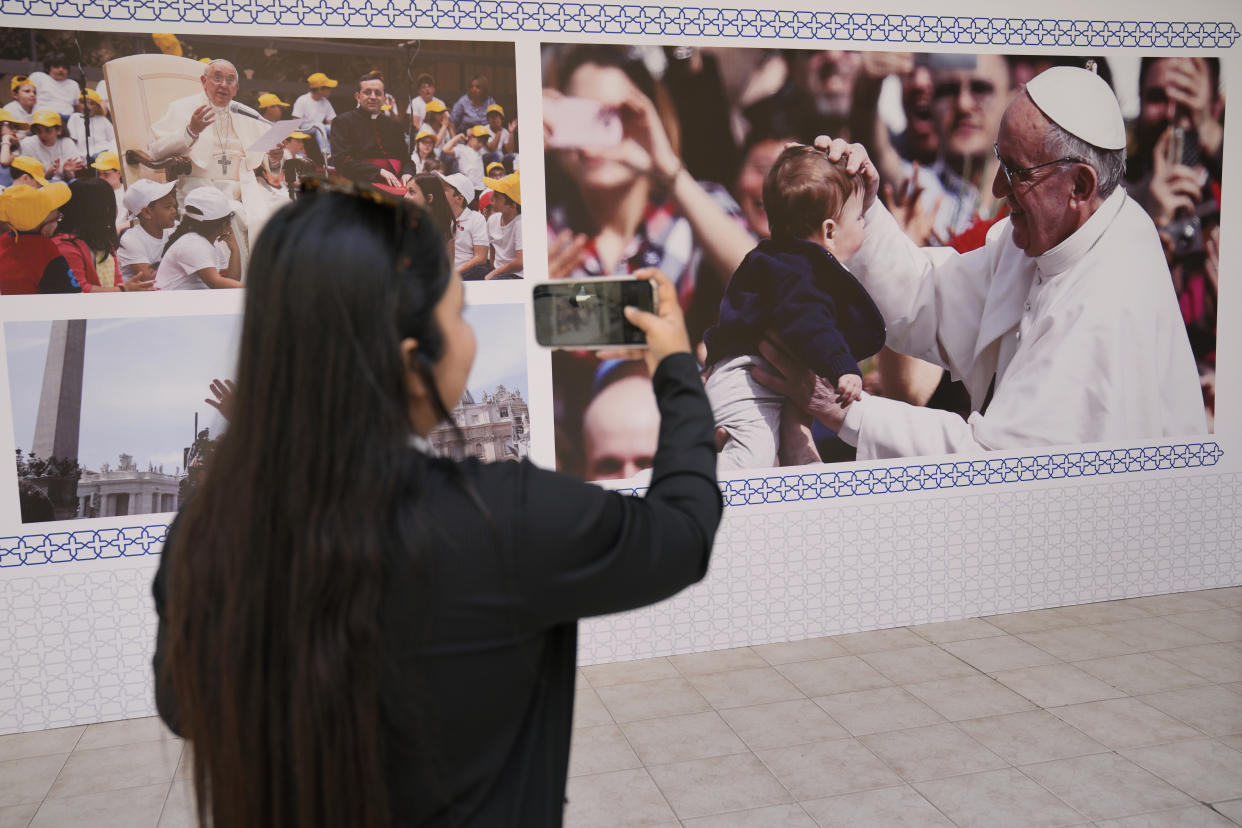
1080	102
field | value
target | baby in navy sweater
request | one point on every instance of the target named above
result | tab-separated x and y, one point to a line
792	285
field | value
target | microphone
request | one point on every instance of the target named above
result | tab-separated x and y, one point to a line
242	109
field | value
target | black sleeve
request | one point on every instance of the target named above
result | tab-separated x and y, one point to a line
584	550
59	278
159	590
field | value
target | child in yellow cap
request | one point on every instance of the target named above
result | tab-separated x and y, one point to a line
504	227
58	154
103	136
30	262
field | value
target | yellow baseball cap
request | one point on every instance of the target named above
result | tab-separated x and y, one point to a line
205	61
268	99
495	165
26	208
46	118
423	132
496	108
7	118
301	136
107	160
319	79
435	106
480	131
168	44
92	95
510	185
31	166
18	82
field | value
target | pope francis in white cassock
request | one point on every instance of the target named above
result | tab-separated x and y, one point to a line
215	139
1064	326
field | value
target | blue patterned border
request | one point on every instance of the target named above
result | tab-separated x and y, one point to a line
827	485
137	541
655	21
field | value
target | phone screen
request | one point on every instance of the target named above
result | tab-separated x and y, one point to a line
587	313
580	123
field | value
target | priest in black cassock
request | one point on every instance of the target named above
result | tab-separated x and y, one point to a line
368	146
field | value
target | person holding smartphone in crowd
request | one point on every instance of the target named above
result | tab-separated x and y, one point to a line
354	631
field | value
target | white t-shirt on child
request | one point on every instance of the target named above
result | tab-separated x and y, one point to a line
139	247
471	233
506	240
470	164
188	255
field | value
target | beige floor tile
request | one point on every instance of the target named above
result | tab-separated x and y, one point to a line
878	640
714	786
652	699
1218	624
783	724
624	799
1203	768
588	709
39	743
969	698
1124	723
124	766
1054	685
682	738
875	711
821	769
811	649
966	629
1077	643
1033	736
833	675
628	672
899	807
600	750
1214	710
998	798
1215	662
932	752
717	661
1231	809
1106	786
179	809
1140	673
998	653
124	732
1105	612
1225	597
19	816
1173	602
774	816
1196	816
1146	634
918	664
1015	623
28	780
127	808
740	688
1234	741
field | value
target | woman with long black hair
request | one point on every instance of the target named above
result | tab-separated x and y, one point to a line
87	238
354	632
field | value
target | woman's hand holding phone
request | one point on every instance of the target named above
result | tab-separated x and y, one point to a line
666	328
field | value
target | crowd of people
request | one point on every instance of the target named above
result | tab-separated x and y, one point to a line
194	230
682	188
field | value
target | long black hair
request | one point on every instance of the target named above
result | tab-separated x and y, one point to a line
207	228
90	214
432	187
274	625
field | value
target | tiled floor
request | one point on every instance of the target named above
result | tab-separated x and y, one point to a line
1127	713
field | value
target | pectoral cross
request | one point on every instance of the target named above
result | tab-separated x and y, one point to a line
224	162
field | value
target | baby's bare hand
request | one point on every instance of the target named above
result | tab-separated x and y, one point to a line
849	389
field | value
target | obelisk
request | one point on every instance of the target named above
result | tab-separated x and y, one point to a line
59	421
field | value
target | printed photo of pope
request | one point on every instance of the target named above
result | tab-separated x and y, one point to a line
1064	326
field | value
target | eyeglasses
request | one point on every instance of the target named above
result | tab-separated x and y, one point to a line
981	90
227	80
1022	175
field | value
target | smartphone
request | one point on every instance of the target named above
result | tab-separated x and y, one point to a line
581	123
587	313
1184	147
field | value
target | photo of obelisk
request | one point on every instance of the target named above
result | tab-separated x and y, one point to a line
59	421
